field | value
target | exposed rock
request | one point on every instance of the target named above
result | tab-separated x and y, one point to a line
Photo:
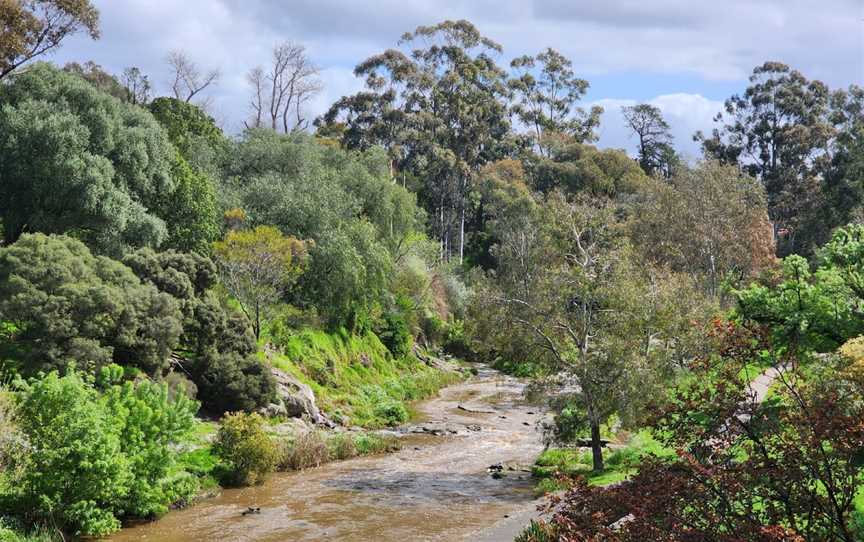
436	429
293	426
274	410
297	399
474	410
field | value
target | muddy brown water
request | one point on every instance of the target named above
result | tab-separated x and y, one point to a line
436	488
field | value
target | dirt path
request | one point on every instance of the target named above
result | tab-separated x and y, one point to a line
436	488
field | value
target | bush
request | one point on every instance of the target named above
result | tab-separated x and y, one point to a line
94	458
246	449
75	465
148	417
231	382
12	441
396	335
68	305
434	328
342	446
456	342
537	532
370	443
392	412
11	531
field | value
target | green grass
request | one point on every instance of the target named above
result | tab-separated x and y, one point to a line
355	378
11	531
858	514
619	463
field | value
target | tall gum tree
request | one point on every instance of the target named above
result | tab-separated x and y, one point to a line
439	105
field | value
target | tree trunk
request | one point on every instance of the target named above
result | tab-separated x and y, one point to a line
257	321
462	234
596	447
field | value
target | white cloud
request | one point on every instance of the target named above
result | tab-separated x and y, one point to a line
706	43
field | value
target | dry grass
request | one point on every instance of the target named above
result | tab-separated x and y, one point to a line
304	451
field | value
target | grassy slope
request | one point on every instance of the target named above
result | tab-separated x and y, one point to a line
356	379
619	462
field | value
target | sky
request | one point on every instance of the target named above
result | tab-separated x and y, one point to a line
684	56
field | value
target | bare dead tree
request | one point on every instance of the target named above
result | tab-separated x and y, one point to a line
189	81
280	92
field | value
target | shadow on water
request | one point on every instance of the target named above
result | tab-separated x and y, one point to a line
413	488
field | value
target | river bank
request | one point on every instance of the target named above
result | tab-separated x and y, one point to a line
437	487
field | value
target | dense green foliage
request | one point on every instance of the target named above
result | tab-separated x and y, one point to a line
449	206
68	305
258	267
354	215
356	379
78	161
93	457
813	309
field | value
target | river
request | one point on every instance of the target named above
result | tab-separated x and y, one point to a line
437	487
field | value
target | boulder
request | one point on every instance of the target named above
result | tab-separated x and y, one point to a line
296	399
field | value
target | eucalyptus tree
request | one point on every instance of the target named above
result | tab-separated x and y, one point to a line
188	80
32	28
546	92
655	141
137	86
440	108
603	323
779	131
709	221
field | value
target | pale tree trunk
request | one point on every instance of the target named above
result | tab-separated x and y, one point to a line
462	234
441	221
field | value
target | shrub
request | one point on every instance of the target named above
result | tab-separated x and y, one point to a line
537	532
66	304
396	335
246	449
12	441
434	328
371	443
75	466
391	412
93	458
148	418
11	531
231	381
456	342
342	446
